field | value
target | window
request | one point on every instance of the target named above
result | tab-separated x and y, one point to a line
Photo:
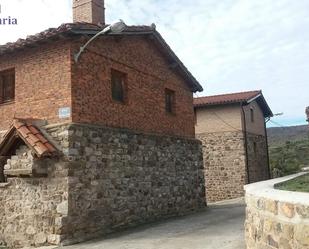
118	86
7	86
252	114
255	148
170	101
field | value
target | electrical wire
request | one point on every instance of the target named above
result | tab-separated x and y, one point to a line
276	123
236	129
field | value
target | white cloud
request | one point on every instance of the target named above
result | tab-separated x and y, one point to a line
229	45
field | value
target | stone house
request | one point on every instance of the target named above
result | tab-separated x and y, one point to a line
82	152
232	128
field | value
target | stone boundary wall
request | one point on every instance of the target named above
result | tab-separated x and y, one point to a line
276	218
225	164
119	178
105	180
33	207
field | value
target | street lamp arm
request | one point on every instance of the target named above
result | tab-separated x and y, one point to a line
117	27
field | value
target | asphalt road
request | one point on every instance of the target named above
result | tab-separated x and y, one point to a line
218	227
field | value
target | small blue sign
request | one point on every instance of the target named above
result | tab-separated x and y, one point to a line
64	112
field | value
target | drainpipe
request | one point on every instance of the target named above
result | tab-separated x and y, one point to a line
266	137
245	139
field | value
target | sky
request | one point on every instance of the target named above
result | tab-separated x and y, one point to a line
228	45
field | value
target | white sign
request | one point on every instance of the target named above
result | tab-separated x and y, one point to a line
64	112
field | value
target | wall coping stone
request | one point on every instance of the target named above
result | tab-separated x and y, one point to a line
265	189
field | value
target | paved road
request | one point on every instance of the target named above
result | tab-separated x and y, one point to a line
219	227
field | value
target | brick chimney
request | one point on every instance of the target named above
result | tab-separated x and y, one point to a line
91	11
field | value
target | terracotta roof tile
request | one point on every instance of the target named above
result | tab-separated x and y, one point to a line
69	30
32	137
225	98
33	130
232	98
64	30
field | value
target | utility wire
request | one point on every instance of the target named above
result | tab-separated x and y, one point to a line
236	129
276	123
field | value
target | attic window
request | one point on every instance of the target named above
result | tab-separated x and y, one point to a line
7	86
169	101
252	115
118	86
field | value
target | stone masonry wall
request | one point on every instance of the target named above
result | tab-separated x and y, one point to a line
120	179
275	218
32	208
106	180
225	166
257	158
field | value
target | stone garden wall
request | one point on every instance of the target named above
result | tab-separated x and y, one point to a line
121	178
32	206
104	180
276	218
225	165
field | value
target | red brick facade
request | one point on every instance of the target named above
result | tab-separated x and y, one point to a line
148	75
44	76
42	83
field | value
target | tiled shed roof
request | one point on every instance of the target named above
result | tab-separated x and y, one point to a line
31	136
68	30
232	98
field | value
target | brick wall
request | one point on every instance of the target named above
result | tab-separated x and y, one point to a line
148	75
44	76
42	84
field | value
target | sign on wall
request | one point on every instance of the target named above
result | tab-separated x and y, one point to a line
64	112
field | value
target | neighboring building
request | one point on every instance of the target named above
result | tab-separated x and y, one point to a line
93	146
233	132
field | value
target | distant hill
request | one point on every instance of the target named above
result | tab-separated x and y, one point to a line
278	136
288	149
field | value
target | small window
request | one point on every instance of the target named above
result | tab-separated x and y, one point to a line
118	86
252	114
255	148
169	101
7	86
